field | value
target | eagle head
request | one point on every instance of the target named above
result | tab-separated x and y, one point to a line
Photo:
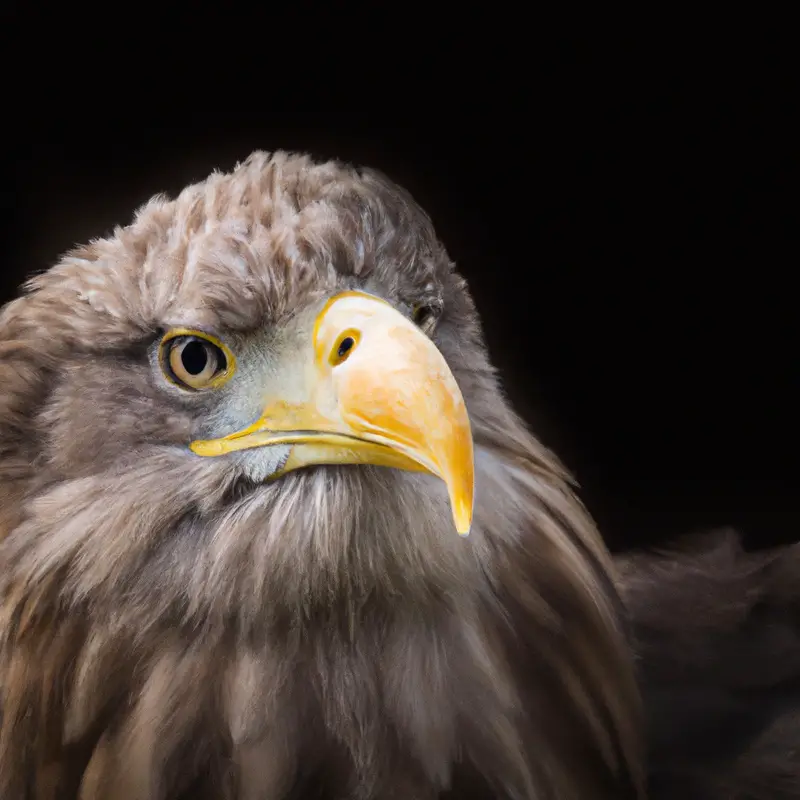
238	441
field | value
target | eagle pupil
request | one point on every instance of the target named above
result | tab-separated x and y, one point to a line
344	346
194	357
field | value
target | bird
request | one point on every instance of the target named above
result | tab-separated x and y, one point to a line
270	529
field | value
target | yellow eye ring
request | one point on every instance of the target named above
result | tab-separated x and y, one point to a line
195	360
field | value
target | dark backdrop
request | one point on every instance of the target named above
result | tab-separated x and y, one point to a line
629	243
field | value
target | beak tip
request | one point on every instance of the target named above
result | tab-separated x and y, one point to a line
462	516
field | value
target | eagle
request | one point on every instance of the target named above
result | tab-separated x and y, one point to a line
270	530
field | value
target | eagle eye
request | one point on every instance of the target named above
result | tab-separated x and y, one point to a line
195	360
425	316
421	314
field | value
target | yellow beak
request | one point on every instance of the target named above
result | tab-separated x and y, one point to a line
372	389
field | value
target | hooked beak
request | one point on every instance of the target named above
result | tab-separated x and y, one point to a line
370	389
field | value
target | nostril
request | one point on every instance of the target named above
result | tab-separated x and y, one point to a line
345	346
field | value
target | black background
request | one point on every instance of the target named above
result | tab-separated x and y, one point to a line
625	217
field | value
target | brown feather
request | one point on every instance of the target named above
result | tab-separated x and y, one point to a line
169	631
717	633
